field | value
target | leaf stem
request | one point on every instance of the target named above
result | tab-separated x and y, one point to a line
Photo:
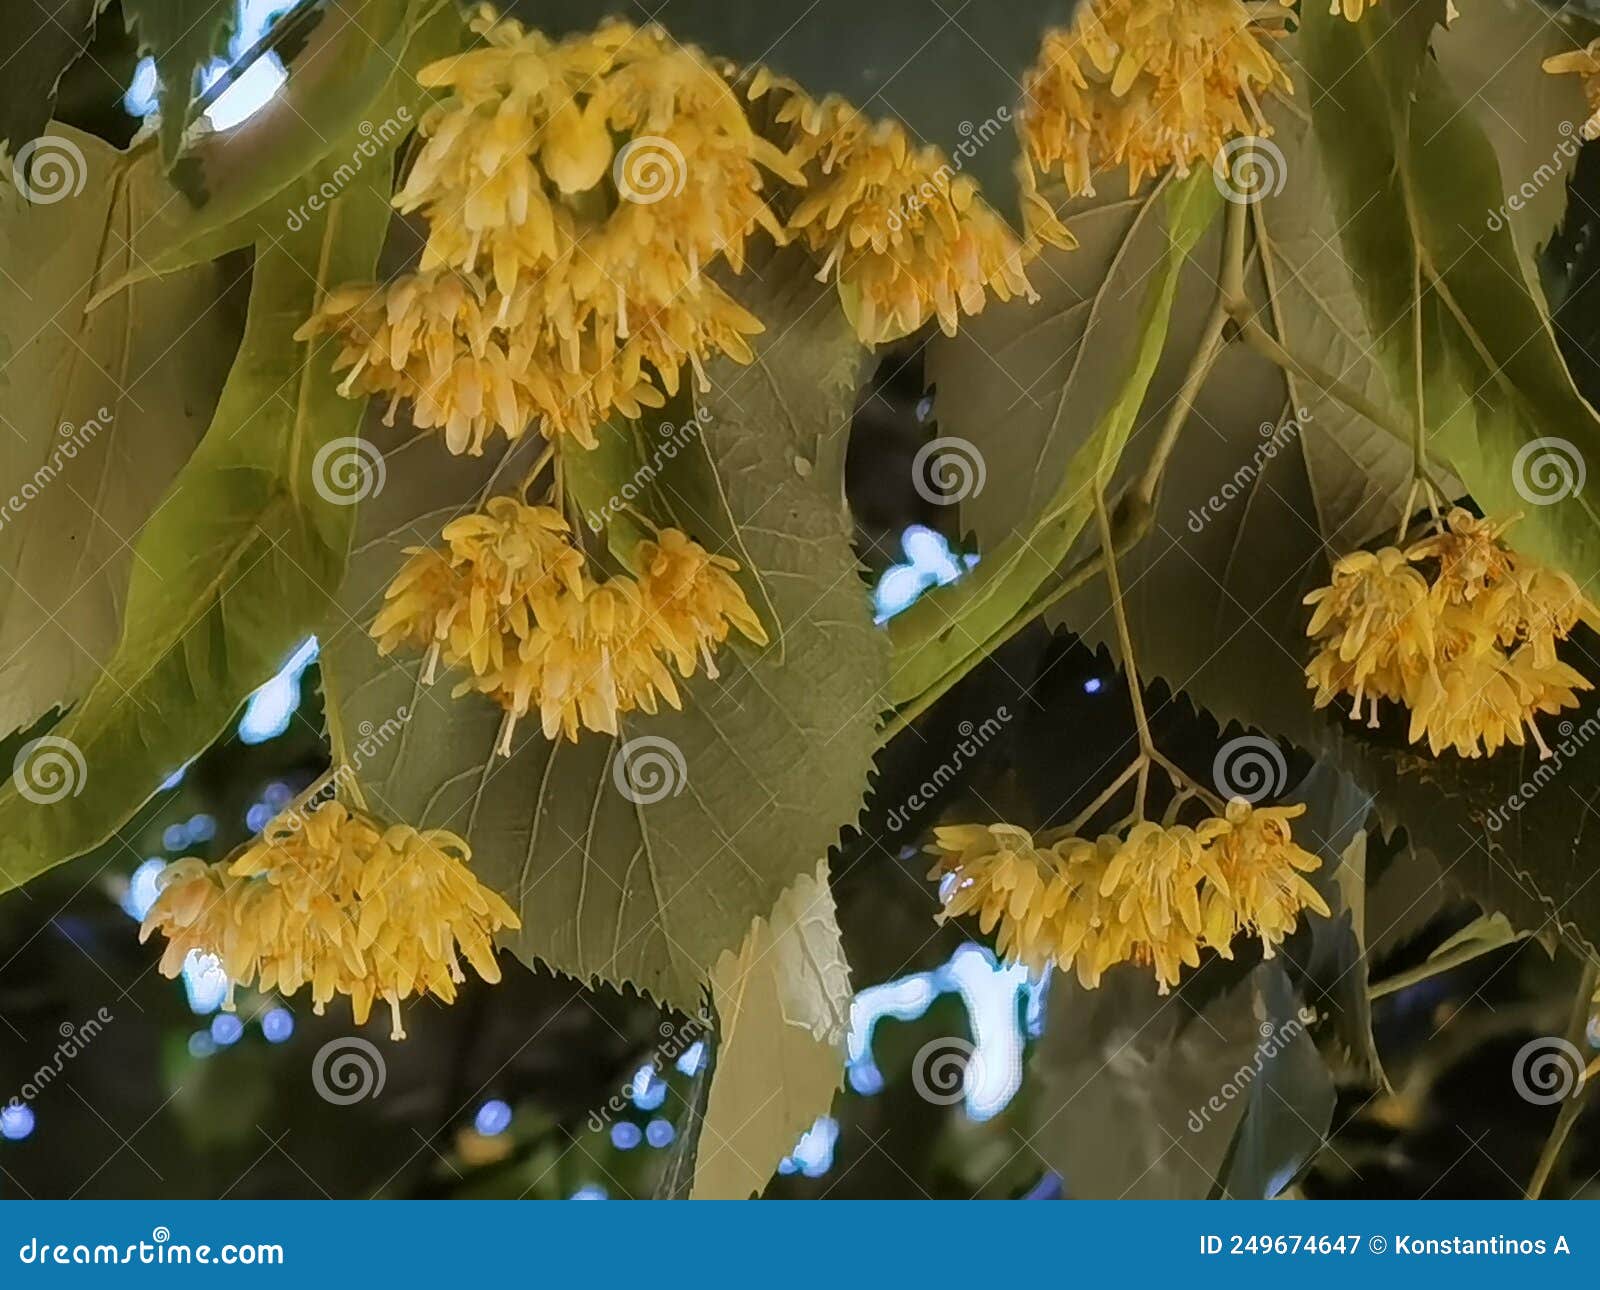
1124	636
1572	1107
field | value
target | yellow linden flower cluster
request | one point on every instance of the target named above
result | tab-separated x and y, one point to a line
1583	62
332	899
510	600
1153	896
1458	628
575	192
904	234
1147	84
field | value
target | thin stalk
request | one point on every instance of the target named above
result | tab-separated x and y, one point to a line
1572	1108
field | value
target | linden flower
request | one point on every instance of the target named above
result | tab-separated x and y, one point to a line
509	600
1146	84
1471	556
330	899
1262	891
1152	898
1374	624
501	573
998	873
692	600
1089	938
419	903
1474	659
1157	873
905	237
575	192
1583	62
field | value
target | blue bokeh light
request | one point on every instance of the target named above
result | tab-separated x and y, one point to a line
205	981
692	1059
246	95
591	1191
1004	1005
277	1025
201	1044
267	714
929	563
649	1089
625	1135
659	1133
226	1029
16	1121
493	1118
813	1154
142	889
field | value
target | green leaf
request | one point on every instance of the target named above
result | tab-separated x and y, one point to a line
182	36
1270	480
350	99
944	628
783	1011
1140	1096
1412	175
764	765
1531	118
100	410
236	566
950	72
38	42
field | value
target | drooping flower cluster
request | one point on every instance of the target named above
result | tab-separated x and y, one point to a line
1458	628
509	601
575	192
1154	896
1583	62
1147	84
330	898
906	236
